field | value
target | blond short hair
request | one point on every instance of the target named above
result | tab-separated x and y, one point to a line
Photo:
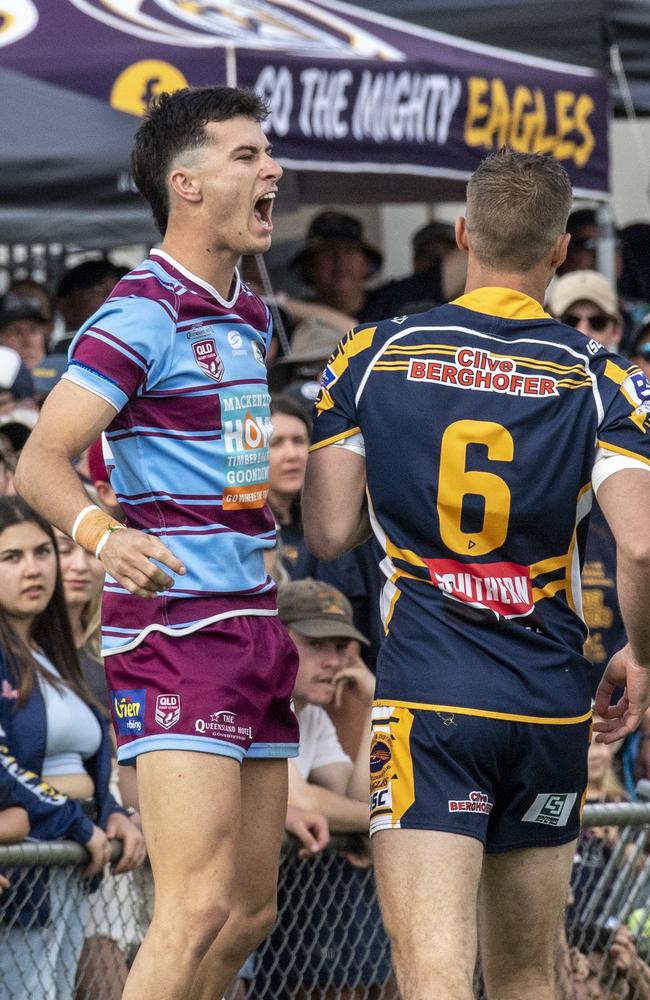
517	206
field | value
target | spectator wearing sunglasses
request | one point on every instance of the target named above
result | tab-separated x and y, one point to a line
587	301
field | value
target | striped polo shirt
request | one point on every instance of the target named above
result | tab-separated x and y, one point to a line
185	372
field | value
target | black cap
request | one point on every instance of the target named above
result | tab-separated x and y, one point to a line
336	227
14	307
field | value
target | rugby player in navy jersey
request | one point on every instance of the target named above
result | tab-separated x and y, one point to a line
200	670
471	439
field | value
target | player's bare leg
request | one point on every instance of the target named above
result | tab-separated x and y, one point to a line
254	893
190	808
521	903
428	885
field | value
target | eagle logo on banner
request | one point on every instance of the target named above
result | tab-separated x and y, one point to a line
258	24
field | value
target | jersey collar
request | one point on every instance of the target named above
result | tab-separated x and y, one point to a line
506	303
199	281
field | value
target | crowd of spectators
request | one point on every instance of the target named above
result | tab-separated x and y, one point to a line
340	271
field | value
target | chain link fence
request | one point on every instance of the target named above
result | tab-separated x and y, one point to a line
60	942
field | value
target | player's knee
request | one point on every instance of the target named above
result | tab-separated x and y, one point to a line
432	979
200	918
535	972
254	926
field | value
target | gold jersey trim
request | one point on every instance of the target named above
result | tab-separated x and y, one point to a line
507	303
542	720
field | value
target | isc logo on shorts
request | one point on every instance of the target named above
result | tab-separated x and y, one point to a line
168	710
551	808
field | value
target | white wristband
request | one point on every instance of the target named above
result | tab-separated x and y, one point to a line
79	518
101	543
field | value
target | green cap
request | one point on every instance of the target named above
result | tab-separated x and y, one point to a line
316	610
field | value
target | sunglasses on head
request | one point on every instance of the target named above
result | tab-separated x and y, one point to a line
597	323
644	350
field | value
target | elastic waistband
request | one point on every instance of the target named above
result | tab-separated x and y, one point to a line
541	720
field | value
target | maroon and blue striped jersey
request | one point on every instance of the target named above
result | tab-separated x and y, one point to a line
185	371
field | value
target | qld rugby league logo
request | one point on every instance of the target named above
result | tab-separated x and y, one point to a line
207	358
168	710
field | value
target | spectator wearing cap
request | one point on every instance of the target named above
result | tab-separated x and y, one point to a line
23	324
80	293
336	262
319	620
30	288
47	373
325	779
587	301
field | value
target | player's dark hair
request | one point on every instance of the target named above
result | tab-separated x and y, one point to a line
176	123
517	206
290	408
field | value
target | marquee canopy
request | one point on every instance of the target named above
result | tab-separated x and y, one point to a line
363	107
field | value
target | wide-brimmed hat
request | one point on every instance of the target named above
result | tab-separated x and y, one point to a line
312	340
335	227
316	610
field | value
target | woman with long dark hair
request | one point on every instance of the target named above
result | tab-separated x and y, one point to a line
55	756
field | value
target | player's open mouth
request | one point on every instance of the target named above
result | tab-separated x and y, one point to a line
263	209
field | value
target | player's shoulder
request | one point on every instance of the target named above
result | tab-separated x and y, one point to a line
377	333
252	308
146	291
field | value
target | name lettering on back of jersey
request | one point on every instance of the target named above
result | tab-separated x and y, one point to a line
477	369
502	587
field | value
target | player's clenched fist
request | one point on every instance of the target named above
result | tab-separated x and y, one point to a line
127	556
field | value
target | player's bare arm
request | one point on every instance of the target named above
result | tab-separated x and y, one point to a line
344	815
71	419
334	508
625	501
359	680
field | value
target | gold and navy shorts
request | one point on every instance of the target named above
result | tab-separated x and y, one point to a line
509	784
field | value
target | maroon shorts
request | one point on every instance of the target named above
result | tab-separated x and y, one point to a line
224	689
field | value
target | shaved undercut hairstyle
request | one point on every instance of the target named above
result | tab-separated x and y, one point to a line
175	123
517	206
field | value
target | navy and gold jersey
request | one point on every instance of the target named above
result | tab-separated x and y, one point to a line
481	420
